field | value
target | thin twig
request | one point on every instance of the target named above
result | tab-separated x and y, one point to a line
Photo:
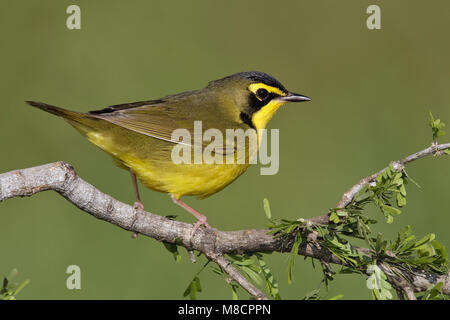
234	274
398	165
347	197
409	292
192	256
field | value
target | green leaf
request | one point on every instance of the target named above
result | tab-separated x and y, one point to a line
403	190
341	249
424	240
292	255
401	200
271	283
426	250
267	208
380	245
234	287
21	286
436	127
342	213
173	248
398	179
337	297
434	293
378	284
334	217
313	295
217	270
244	262
192	289
10	290
440	252
254	276
389	219
390	209
247	266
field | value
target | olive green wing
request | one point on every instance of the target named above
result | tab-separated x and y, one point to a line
159	119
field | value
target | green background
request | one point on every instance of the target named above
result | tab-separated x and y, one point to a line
371	90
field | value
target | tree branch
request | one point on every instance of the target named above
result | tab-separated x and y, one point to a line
61	177
347	197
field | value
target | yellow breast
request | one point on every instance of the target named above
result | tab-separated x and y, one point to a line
200	180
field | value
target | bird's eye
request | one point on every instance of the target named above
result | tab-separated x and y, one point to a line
262	93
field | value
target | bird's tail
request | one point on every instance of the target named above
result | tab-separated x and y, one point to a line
67	114
80	121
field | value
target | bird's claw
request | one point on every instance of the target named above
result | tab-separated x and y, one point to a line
138	205
201	221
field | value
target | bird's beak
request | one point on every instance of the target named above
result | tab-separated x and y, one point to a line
294	97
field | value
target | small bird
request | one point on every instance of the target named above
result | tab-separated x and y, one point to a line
139	135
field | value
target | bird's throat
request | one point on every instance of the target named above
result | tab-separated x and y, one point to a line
263	115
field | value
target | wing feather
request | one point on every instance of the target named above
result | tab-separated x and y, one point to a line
159	119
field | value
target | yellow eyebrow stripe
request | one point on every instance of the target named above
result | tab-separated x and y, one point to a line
255	86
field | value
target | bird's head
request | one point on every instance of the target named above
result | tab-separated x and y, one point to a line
253	96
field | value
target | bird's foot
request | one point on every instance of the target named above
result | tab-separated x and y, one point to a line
201	221
139	206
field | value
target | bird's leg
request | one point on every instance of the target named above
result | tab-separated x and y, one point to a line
138	205
201	219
